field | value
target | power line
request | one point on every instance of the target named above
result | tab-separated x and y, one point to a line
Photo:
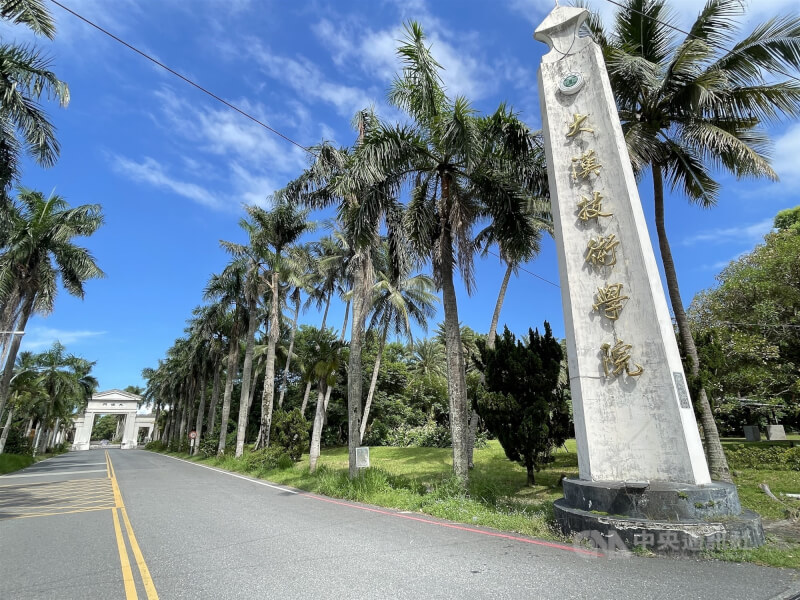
781	325
689	34
520	267
185	79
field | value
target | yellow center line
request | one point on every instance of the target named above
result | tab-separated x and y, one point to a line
127	574
147	580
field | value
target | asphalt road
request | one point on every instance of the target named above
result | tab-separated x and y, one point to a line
201	533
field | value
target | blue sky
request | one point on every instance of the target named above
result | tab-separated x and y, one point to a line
172	167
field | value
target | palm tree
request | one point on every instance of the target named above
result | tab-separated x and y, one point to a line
397	300
205	330
428	358
301	276
363	203
25	77
463	168
251	257
25	391
38	249
515	251
31	13
66	383
324	365
689	104
329	262
278	230
227	289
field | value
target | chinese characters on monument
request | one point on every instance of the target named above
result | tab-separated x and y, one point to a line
601	253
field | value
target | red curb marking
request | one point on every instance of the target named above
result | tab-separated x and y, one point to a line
459	527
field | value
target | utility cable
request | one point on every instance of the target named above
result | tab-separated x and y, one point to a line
781	325
184	78
521	268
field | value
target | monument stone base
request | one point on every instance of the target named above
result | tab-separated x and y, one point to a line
662	517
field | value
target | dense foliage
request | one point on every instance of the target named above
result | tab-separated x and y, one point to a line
748	331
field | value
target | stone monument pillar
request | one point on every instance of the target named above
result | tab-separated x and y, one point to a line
83	431
641	463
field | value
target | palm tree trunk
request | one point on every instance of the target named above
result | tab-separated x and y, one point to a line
244	397
316	432
6	429
154	434
256	367
498	307
321	328
361	289
291	349
329	388
212	409
51	440
268	397
325	313
39	427
374	381
182	419
8	322
233	363
456	378
717	463
305	399
198	425
8	370
165	434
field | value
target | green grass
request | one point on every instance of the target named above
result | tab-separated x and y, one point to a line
14	462
419	480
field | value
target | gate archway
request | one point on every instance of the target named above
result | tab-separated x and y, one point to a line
113	402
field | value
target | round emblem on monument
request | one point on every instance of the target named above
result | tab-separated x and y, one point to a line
571	83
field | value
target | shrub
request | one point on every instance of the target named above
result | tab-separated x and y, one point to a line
429	435
61	448
377	434
208	447
266	459
777	458
290	433
155	446
17	443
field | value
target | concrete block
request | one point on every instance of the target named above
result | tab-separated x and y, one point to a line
752	433
775	433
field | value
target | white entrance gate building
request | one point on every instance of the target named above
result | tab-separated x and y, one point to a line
113	402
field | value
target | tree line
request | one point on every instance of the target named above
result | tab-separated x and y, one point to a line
38	391
423	195
689	104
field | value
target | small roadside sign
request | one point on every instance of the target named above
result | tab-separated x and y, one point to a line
192	434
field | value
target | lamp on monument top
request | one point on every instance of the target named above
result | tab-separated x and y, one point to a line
643	475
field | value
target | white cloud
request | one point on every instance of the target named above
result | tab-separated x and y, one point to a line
465	71
305	78
684	11
228	152
787	148
39	338
150	171
747	234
